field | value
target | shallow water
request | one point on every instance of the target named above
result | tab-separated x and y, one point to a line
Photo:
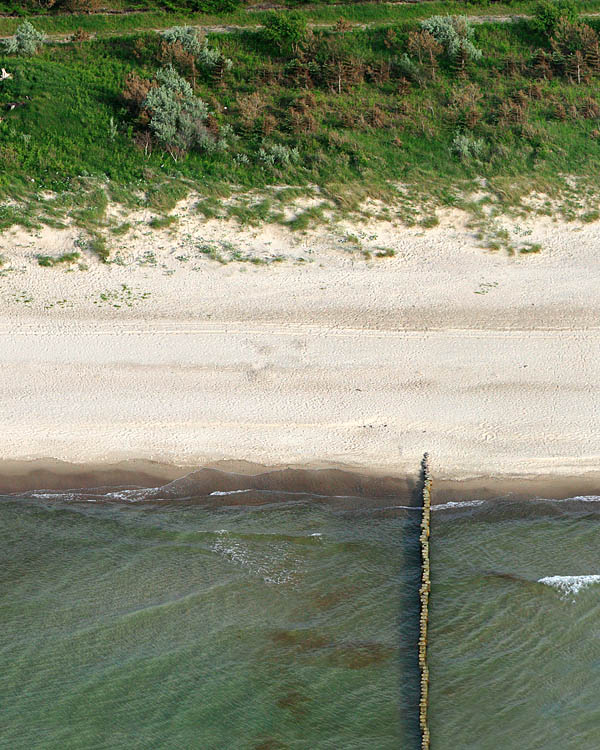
189	623
515	626
267	620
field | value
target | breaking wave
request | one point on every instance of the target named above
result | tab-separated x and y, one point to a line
457	504
570	585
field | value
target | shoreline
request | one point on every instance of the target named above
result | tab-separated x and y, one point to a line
20	477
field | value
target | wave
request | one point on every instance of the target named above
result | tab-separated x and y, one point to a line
570	585
97	494
574	499
227	492
458	504
475	503
584	498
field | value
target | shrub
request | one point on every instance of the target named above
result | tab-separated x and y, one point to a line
193	42
177	117
409	69
189	37
466	147
286	31
250	109
26	41
49	261
81	35
136	90
276	154
548	13
455	34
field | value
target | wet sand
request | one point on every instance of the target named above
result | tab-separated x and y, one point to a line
232	476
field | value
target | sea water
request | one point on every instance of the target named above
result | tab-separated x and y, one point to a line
129	622
263	620
515	626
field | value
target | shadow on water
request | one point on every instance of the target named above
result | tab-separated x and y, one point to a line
408	620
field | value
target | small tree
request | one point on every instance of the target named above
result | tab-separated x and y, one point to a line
426	48
464	105
26	41
251	108
575	49
286	31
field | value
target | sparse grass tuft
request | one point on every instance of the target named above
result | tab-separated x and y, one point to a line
97	245
590	216
533	247
49	261
161	222
121	229
430	221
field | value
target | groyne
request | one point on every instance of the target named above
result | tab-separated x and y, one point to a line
424	603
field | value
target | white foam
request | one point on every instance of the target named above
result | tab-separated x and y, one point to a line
404	507
464	504
570	585
578	498
57	495
132	496
272	568
229	492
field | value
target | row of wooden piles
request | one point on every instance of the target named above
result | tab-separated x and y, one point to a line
424	610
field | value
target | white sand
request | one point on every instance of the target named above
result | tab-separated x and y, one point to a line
489	362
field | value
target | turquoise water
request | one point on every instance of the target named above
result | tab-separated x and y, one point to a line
189	623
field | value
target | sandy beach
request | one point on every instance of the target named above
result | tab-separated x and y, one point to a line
324	358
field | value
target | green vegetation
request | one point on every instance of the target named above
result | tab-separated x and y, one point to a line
26	41
150	15
162	222
286	31
417	113
94	6
548	14
64	259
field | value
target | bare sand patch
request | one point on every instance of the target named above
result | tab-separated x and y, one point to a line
318	353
